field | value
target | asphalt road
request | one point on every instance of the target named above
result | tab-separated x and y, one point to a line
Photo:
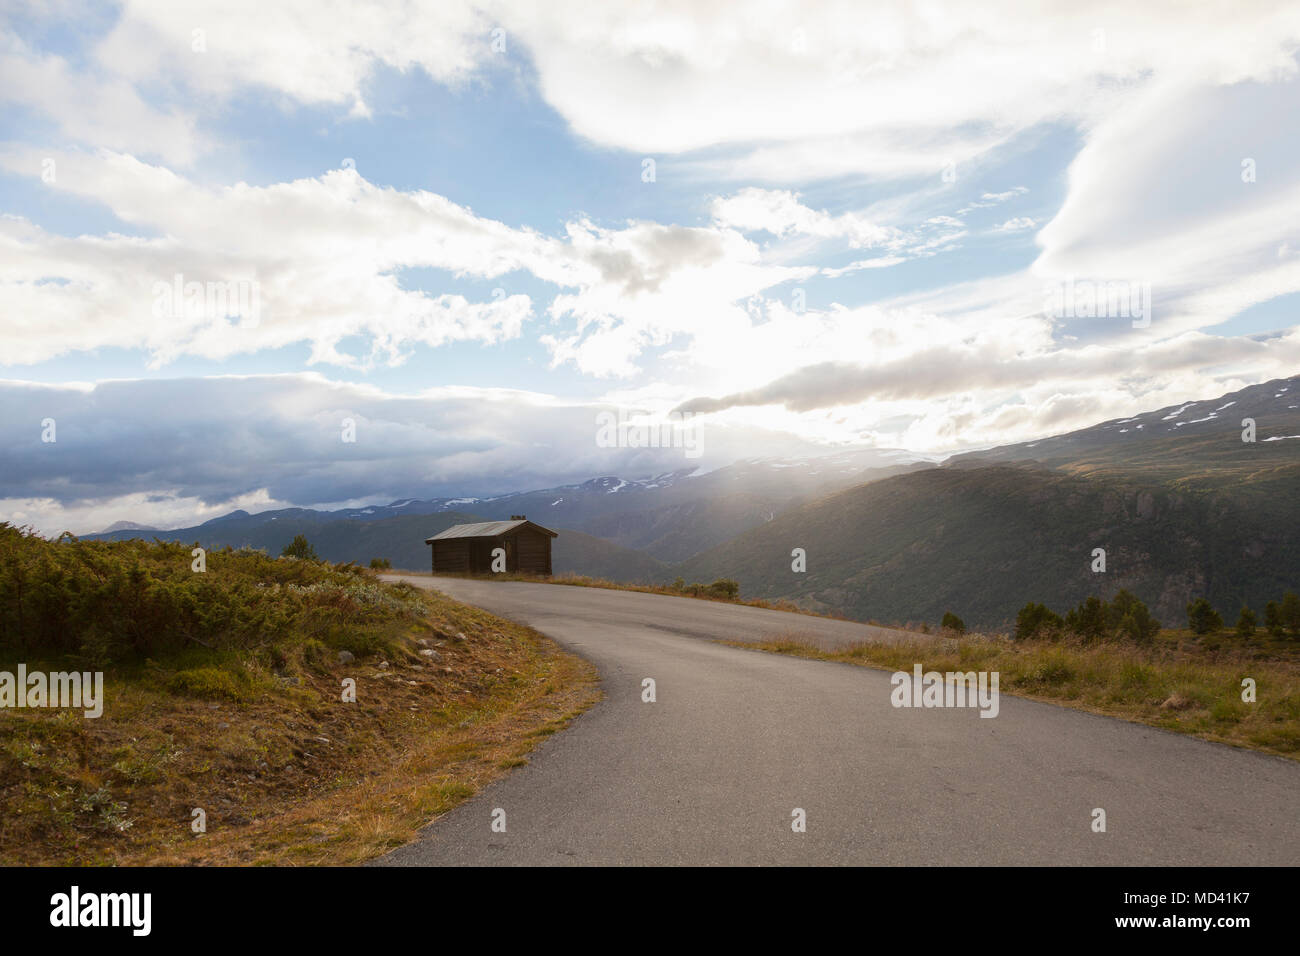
711	772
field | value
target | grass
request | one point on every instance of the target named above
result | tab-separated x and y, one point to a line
251	727
1178	683
584	581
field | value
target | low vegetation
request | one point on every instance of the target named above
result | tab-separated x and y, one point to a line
224	693
1178	680
723	589
1123	617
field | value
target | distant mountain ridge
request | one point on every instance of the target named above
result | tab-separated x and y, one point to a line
1182	511
670	516
1182	506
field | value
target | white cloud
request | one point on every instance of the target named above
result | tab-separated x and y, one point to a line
781	213
1159	193
327	255
1166	100
178	451
1015	224
784	90
314	52
91	107
324	256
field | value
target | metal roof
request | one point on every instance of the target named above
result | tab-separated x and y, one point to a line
485	529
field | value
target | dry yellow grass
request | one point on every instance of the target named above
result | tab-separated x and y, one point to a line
1174	684
286	772
585	581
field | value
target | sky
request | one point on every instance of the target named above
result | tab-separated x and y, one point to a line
320	254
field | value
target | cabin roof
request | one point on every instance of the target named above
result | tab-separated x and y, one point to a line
486	529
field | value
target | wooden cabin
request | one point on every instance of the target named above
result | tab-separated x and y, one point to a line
467	548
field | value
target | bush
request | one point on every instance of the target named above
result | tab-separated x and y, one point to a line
209	683
1036	620
104	601
1053	669
951	622
1246	623
300	548
1291	613
1088	620
381	564
1128	617
1202	618
1273	618
726	588
1125	616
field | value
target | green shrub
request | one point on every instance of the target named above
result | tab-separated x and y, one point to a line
1053	668
1035	620
381	564
951	622
105	601
725	587
209	683
1129	618
300	548
1088	620
1273	619
1290	613
1202	618
1246	623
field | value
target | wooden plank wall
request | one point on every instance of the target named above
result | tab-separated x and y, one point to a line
533	550
527	550
451	556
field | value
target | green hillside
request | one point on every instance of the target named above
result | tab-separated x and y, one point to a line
984	541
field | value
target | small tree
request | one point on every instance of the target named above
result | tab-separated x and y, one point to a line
1246	623
1291	613
1129	617
1035	618
1088	620
1202	618
301	548
1273	618
951	622
725	587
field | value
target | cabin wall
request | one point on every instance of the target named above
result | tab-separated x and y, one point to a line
533	552
527	551
452	556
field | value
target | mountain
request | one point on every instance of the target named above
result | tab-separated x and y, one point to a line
400	539
127	526
1198	442
669	517
1182	506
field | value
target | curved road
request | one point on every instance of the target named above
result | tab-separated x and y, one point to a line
711	772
